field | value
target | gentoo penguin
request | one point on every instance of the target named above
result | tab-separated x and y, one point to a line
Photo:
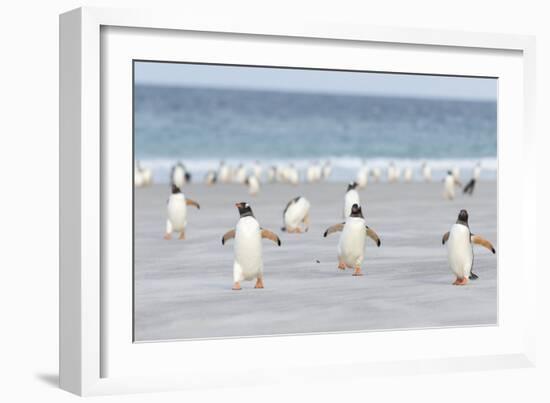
327	170
143	176
257	170
272	174
460	249
456	173
351	247
295	213
138	176
177	213
426	172
211	177
248	234
314	172
253	185
179	175
363	176
449	186
292	175
351	198
240	175
469	188
477	171
376	173
393	173
408	175
224	174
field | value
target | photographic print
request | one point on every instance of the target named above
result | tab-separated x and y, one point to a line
276	201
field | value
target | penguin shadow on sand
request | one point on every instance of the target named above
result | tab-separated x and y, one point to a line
460	252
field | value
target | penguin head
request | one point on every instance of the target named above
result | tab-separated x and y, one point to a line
175	189
462	217
356	211
351	186
244	209
449	172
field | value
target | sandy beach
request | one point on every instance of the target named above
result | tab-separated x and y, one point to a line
183	288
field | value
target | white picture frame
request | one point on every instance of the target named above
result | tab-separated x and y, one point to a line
97	355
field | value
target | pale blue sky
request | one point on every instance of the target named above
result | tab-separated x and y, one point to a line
405	85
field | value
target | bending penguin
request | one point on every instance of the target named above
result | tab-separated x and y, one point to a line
351	198
351	247
177	213
248	234
295	213
460	249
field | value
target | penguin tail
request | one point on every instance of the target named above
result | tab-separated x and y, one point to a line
473	276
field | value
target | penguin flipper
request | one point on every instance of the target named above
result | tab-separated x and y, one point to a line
373	235
479	240
190	202
445	238
334	228
270	235
228	235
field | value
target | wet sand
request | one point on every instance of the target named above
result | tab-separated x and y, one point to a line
183	288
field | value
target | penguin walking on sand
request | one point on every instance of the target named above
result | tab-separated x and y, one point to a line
248	263
376	174
351	198
449	186
211	177
469	188
363	176
460	249
177	213
295	213
408	175
351	246
240	174
224	174
326	171
253	185
426	172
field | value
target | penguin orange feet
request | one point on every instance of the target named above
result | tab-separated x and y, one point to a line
167	236
182	235
236	286
259	283
341	266
357	271
462	281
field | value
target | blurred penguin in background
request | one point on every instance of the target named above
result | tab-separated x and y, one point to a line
426	172
449	186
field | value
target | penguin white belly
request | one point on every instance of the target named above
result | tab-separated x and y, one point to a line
449	189
296	212
248	263
177	212
460	252
351	246
352	197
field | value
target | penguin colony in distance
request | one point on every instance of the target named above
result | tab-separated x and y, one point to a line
177	213
248	264
460	251
296	213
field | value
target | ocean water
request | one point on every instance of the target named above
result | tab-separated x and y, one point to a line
201	126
